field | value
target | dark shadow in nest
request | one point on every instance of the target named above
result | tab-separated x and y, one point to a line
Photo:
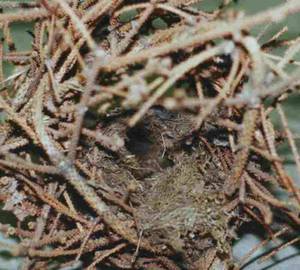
138	141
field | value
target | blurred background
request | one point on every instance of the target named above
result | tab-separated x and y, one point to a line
251	234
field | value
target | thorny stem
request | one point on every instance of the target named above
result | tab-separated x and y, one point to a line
218	30
223	92
81	110
16	118
135	29
177	73
289	136
38	13
289	243
260	245
70	173
50	200
105	254
78	23
245	140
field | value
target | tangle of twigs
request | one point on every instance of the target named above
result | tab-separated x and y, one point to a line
130	145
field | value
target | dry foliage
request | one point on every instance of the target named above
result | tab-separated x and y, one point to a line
127	146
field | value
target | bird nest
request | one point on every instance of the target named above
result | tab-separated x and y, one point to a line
137	134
